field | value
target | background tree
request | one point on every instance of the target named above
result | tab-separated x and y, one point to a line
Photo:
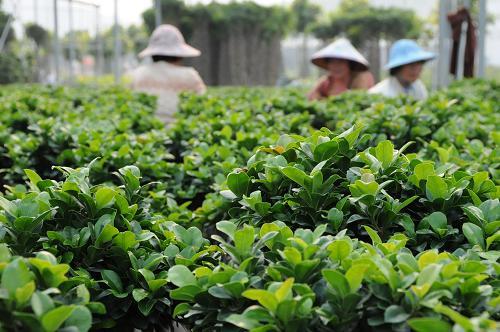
240	41
304	16
173	12
40	37
138	38
366	25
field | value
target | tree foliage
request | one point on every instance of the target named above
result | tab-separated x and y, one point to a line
37	33
11	68
304	14
221	17
359	21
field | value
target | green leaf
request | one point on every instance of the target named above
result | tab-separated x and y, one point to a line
351	134
426	258
154	285
147	274
335	216
238	182
107	234
125	240
181	309
292	255
33	176
41	303
146	306
181	276
429	274
384	153
474	214
97	308
395	314
373	235
325	151
264	297
139	294
355	276
53	319
243	322
227	227
337	281
494	238
423	170
113	280
284	289
104	197
298	176
427	324
244	238
5	255
15	275
360	188
437	221
479	178
83	293
474	234
185	293
464	322
436	188
81	318
285	311
8	206
219	292
340	249
23	294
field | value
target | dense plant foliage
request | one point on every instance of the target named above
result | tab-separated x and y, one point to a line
257	210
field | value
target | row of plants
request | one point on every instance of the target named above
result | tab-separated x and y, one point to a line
125	267
215	133
242	216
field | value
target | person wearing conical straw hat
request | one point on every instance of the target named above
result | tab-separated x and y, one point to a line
406	60
165	77
347	70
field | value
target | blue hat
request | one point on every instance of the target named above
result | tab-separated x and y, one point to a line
406	51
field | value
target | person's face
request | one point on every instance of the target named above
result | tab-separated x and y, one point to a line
338	67
411	72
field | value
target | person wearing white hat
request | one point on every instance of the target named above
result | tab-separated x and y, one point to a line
406	60
165	77
347	69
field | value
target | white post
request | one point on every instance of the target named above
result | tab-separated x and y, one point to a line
461	50
35	11
99	61
444	44
117	48
158	17
72	42
481	63
57	47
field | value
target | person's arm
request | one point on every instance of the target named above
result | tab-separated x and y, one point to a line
363	81
199	86
315	94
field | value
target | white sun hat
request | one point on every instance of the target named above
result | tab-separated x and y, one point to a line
168	40
339	49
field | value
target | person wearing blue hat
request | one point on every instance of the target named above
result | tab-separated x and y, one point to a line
406	60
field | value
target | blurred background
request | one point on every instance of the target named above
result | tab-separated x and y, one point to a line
262	42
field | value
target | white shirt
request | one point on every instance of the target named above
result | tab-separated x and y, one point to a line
166	81
391	87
